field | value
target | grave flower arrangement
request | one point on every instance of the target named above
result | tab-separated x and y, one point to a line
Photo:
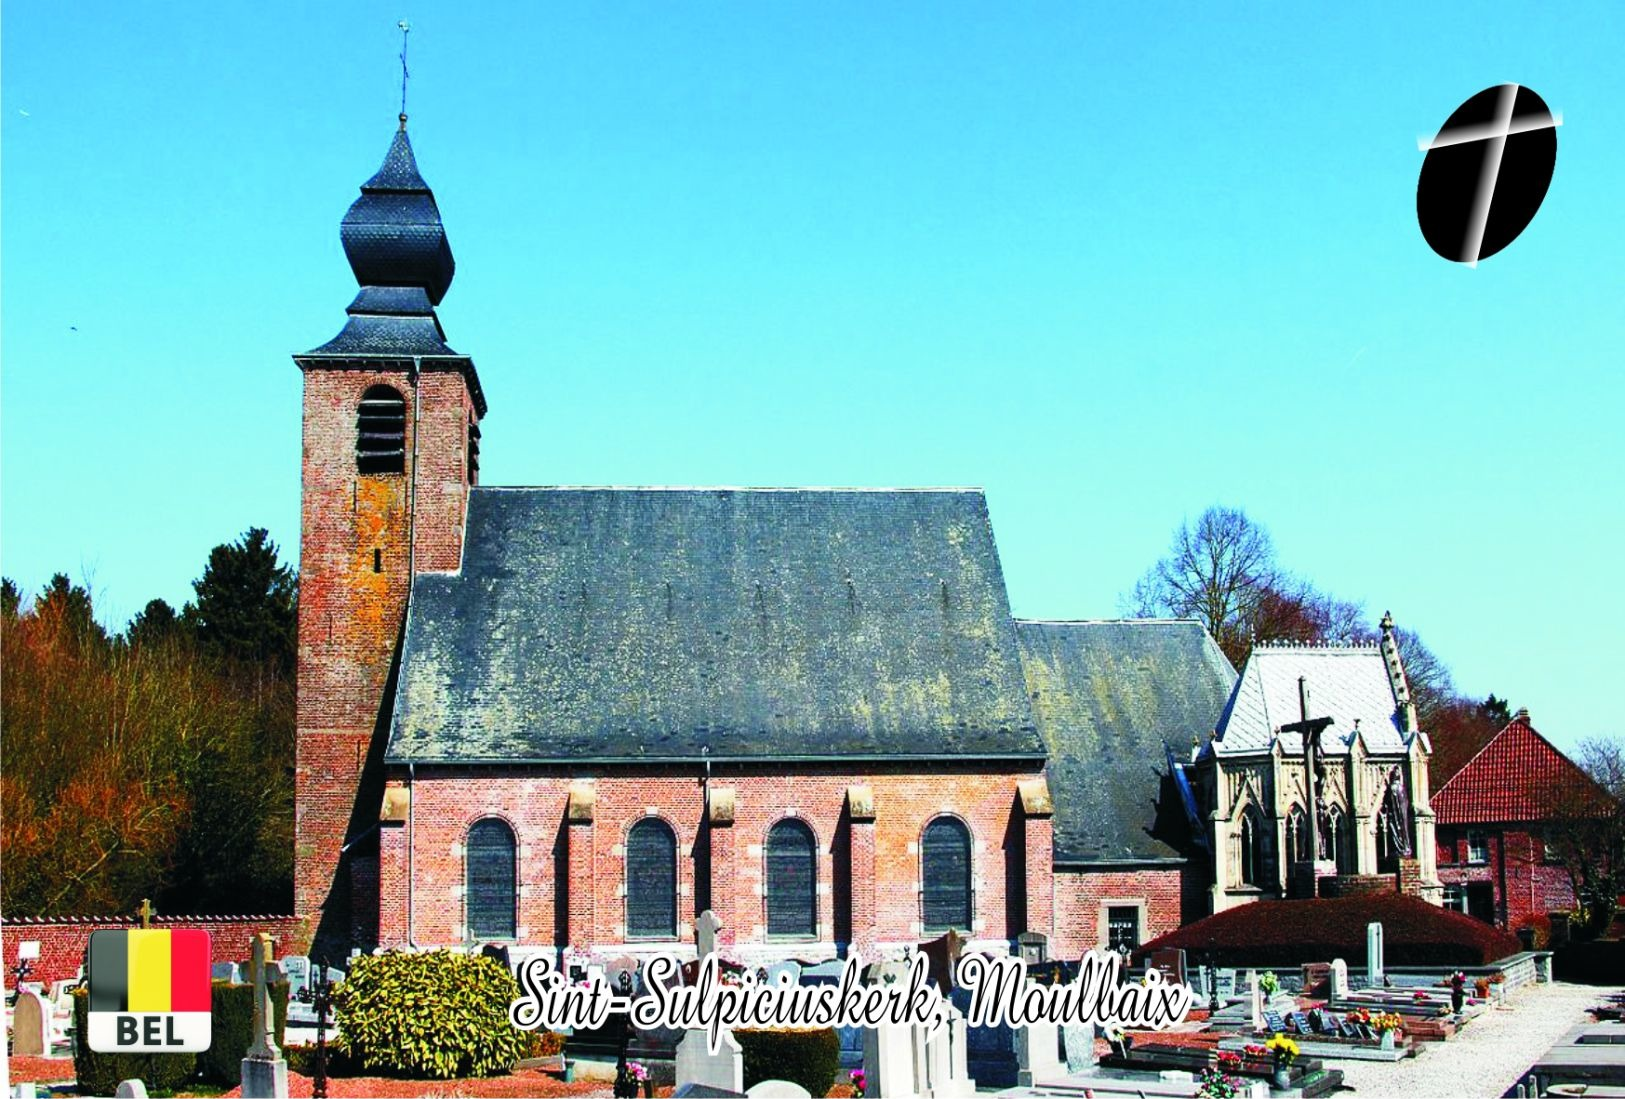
1256	1051
1268	982
638	1070
1229	1061
1282	1050
1359	1015
1217	1085
1380	1021
858	1081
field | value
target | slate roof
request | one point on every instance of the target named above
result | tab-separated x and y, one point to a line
1106	696
632	624
1348	683
1517	776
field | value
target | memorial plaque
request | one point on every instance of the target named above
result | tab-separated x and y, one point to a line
1274	1023
1300	1023
1329	1023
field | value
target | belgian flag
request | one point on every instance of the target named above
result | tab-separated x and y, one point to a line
149	990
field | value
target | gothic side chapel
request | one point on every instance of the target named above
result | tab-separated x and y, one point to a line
1315	782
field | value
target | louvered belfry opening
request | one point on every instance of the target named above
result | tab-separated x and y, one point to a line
945	861
792	876
380	431
651	881
492	879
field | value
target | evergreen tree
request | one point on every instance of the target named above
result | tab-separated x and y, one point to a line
245	608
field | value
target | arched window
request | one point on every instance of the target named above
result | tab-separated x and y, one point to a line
1254	863
1299	842
380	431
1337	841
945	862
651	880
792	875
492	880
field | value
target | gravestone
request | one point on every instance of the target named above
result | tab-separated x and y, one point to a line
264	1071
1038	1054
618	966
1255	1002
946	1059
1171	961
225	971
778	969
31	1026
888	1060
131	1089
1226	983
943	956
777	1089
1348	1029
696	1064
1339	979
297	967
1078	1039
705	934
1274	1022
1329	1023
1300	1023
1034	947
1373	954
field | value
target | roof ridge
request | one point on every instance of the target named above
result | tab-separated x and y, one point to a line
1108	621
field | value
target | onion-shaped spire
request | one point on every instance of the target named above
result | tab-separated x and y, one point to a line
392	234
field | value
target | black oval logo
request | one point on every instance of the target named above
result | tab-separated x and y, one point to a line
1486	173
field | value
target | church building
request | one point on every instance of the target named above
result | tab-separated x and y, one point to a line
1316	780
576	718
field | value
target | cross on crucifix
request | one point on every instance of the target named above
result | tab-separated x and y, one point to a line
1310	729
144	913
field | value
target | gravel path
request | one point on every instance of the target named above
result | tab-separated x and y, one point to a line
1489	1056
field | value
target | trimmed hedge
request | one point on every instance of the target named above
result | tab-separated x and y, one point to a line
1286	933
810	1058
433	1015
100	1073
231	1029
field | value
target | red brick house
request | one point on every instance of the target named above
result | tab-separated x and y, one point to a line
1493	820
576	718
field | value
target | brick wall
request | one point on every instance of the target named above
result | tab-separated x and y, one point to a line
1081	898
353	581
62	942
1525	886
1356	885
446	801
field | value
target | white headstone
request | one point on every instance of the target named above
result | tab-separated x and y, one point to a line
1079	1042
1340	977
31	1026
786	966
1038	1056
1255	1001
705	935
778	1089
696	1064
131	1089
1373	953
888	1060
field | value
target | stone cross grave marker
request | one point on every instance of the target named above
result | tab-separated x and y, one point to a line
131	1089
31	1026
696	1064
264	1072
1373	953
1038	1054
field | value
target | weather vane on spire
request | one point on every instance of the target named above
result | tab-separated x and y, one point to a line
406	29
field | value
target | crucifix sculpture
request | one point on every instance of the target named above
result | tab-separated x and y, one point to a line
1310	729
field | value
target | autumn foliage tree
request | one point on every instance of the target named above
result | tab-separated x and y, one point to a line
146	764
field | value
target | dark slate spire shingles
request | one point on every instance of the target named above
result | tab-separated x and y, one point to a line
1106	695
646	624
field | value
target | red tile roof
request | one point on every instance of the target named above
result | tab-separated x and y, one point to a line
1517	776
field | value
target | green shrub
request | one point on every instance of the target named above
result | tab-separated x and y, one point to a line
100	1073
810	1058
231	1029
430	1016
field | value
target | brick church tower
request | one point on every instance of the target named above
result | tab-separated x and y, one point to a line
391	447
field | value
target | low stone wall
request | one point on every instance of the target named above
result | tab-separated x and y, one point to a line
62	941
1353	885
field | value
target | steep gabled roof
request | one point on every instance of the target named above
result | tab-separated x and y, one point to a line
1106	696
1348	683
633	624
1518	776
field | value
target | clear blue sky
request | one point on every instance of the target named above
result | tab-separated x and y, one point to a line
1112	264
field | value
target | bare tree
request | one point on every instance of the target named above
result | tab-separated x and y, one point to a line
1587	833
1216	570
